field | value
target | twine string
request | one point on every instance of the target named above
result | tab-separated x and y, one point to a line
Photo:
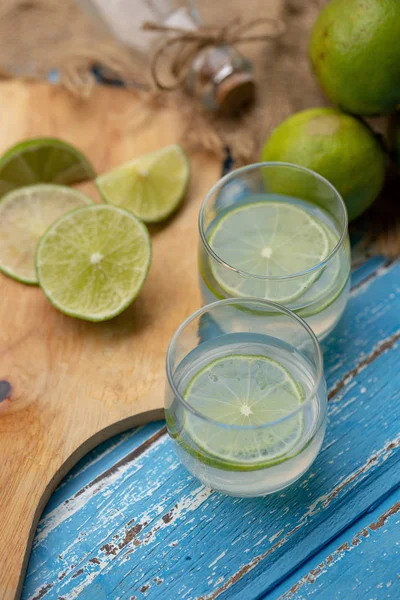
186	44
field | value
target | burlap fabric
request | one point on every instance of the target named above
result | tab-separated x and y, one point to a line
37	36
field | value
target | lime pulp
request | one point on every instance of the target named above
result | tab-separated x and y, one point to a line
270	242
42	160
246	404
25	215
151	186
94	261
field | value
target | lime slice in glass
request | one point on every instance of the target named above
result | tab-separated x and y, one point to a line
151	186
325	286
244	390
93	262
25	215
268	239
42	160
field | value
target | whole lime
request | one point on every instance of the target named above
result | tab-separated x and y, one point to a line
355	54
337	146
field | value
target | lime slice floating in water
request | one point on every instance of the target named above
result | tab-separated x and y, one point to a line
329	282
151	186
93	262
268	239
244	390
42	160
25	215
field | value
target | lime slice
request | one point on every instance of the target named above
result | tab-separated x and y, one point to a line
244	390
151	187
25	215
42	160
93	262
268	239
325	285
330	283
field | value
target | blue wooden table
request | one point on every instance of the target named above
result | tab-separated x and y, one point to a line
130	523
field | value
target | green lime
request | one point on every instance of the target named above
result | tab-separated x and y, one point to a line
93	262
268	239
25	215
337	146
244	394
355	54
151	186
42	160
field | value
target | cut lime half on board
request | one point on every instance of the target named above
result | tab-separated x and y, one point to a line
268	240
151	186
42	160
244	390
93	262
25	215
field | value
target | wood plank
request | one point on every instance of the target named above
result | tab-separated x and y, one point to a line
363	562
151	527
73	383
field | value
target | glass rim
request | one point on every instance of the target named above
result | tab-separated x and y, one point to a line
259	165
247	300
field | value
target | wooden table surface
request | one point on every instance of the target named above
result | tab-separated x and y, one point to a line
129	522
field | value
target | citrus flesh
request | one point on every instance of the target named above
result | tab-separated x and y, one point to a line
243	399
25	215
151	186
42	160
268	239
93	262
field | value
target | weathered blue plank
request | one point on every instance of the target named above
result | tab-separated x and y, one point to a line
363	562
198	519
99	460
367	269
370	322
121	534
340	486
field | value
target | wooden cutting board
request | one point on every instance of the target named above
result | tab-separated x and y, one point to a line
67	385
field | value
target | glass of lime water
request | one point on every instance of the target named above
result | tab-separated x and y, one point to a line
277	231
246	398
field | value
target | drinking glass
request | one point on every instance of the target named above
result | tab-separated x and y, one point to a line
278	232
246	398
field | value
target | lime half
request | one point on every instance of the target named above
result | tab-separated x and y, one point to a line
247	391
151	186
93	262
42	160
268	239
25	215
